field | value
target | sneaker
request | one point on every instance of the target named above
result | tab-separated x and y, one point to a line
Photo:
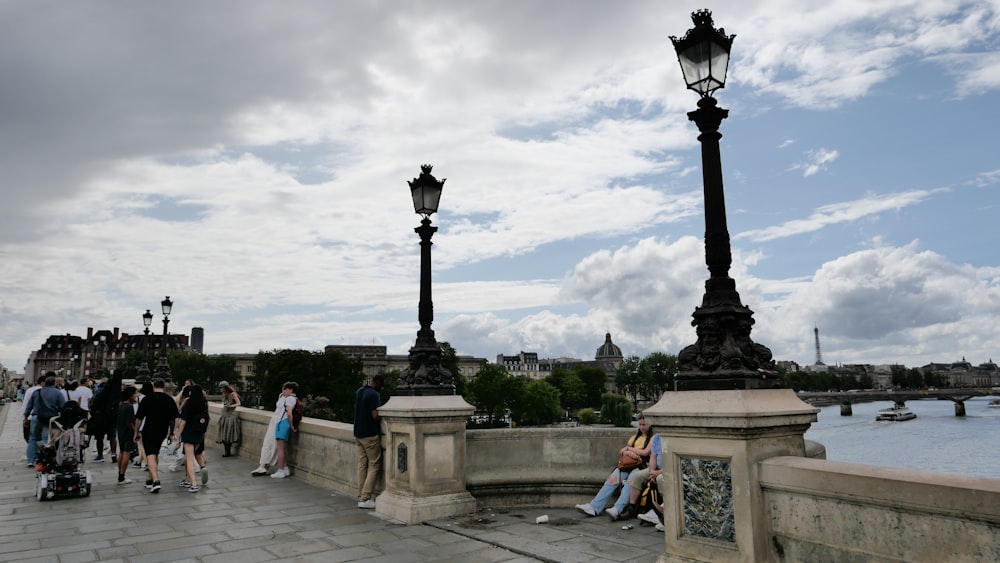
114	458
586	509
194	489
650	517
149	484
155	488
98	460
259	471
280	474
659	527
137	463
612	513
204	475
185	483
369	504
125	482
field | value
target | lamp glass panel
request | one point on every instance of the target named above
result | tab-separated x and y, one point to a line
166	305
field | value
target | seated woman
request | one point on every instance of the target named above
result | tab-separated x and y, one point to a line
641	443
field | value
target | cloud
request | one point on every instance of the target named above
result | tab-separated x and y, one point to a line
816	160
847	211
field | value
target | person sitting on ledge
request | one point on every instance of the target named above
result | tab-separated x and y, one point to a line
640	444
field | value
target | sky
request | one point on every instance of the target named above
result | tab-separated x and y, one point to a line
250	160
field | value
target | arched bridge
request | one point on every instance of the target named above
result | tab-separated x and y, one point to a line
899	396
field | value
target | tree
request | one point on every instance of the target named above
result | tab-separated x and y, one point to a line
571	388
538	404
201	369
489	390
616	409
629	379
594	380
319	374
660	368
449	361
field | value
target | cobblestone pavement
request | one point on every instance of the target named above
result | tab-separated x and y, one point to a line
244	519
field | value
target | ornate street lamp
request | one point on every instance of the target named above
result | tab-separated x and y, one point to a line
724	356
425	374
162	365
143	376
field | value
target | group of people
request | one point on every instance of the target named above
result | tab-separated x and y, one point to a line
135	421
138	421
632	483
367	437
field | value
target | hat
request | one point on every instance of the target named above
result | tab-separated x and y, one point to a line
223	383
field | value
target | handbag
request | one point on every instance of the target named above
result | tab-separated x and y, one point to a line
629	461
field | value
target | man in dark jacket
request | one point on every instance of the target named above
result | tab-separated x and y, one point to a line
368	437
44	404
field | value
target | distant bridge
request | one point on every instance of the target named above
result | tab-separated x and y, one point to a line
899	396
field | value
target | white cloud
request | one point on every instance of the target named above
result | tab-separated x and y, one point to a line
816	160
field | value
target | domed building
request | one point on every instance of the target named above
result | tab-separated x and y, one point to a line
609	353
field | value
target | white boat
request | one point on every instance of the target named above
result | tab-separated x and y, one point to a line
895	414
994	404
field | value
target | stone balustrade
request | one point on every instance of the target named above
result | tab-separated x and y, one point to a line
811	509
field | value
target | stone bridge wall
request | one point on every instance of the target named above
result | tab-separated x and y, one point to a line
818	510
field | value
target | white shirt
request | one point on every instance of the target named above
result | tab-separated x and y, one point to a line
283	401
82	395
27	395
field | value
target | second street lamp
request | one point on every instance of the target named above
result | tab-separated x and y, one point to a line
147	319
724	356
162	365
425	375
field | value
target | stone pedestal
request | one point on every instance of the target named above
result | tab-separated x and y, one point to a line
425	458
713	508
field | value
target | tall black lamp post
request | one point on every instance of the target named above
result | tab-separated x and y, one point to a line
724	356
162	365
425	374
147	320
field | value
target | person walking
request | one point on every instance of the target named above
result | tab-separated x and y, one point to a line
125	428
30	422
368	437
105	408
154	422
229	423
190	433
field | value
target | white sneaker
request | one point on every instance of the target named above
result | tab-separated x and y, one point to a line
612	513
659	527
280	474
586	509
370	503
650	517
125	482
261	470
204	475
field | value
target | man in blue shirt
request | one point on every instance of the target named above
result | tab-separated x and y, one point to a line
368	436
44	404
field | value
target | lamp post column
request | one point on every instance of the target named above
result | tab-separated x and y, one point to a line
162	364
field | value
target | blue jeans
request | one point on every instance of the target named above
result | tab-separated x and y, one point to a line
39	432
617	478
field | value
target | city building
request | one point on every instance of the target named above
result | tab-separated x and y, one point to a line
74	357
375	360
607	357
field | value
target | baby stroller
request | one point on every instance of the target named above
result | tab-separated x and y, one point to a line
58	466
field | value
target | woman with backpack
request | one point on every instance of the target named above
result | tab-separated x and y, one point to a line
192	424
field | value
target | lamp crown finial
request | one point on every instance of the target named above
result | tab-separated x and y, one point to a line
702	17
426	168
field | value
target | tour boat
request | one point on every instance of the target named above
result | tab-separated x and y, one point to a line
994	404
896	413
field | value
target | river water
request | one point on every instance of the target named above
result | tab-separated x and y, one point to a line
936	440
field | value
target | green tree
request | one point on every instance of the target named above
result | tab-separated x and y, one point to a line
201	369
587	416
330	375
898	376
571	388
660	368
914	378
629	379
449	361
539	404
490	390
594	380
616	409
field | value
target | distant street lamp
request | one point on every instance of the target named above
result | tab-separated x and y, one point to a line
147	319
724	356
162	365
425	374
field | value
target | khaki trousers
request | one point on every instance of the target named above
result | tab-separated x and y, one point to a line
369	464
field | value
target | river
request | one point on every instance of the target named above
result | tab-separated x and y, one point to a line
936	440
